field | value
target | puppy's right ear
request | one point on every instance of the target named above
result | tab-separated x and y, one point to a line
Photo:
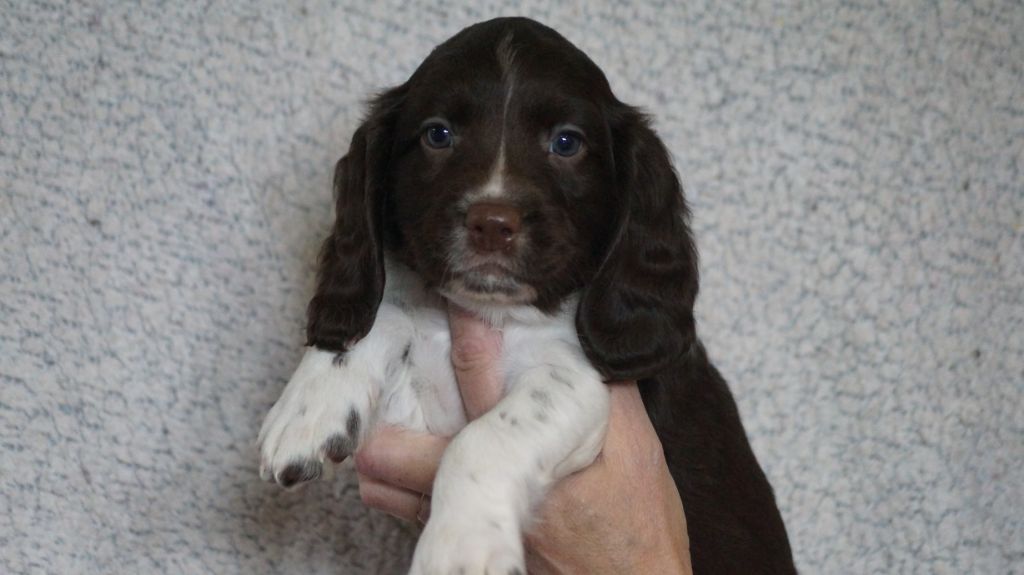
350	281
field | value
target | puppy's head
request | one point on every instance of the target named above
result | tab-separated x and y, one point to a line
505	172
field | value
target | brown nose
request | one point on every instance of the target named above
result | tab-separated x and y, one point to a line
492	227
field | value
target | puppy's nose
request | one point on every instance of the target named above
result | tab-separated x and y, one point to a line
492	227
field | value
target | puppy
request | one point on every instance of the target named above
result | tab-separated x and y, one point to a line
506	178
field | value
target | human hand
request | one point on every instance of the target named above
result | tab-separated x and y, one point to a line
622	514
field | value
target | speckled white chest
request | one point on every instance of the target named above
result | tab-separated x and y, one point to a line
550	422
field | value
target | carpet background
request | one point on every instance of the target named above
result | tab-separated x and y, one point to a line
855	175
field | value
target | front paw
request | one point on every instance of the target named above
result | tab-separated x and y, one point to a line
468	544
320	416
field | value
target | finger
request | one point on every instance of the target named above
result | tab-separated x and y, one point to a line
628	423
401	503
625	399
476	352
402	458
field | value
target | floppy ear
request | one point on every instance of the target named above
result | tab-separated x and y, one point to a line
636	317
350	281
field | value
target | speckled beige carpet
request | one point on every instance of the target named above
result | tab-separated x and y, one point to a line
855	174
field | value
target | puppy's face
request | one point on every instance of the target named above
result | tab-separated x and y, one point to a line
502	187
506	172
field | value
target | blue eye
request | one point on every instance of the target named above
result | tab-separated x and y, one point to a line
437	136
566	144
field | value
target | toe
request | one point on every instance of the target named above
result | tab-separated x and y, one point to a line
265	473
338	447
299	471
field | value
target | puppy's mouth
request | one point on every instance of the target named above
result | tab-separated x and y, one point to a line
488	269
490	282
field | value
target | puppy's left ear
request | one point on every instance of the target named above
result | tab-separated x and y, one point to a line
636	317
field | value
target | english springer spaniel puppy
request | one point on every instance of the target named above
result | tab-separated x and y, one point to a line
506	178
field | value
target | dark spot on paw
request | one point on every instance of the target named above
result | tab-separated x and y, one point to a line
405	354
561	378
338	447
541	397
340	359
299	471
503	415
540	416
353	424
95	223
513	421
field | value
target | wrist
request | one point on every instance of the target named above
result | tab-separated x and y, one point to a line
665	559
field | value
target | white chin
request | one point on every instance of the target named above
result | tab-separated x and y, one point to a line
488	290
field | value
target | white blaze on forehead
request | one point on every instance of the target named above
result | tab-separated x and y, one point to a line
495	185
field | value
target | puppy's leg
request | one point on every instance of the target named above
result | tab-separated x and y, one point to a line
329	404
551	424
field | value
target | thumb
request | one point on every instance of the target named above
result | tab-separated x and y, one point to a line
476	353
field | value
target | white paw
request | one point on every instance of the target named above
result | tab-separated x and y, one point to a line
468	544
321	414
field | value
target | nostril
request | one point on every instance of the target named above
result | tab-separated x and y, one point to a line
492	226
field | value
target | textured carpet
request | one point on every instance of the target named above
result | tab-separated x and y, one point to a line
855	174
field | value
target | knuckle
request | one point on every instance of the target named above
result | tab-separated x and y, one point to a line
373	494
369	496
367	463
470	354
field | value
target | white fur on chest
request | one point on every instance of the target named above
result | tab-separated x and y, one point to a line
421	392
549	423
